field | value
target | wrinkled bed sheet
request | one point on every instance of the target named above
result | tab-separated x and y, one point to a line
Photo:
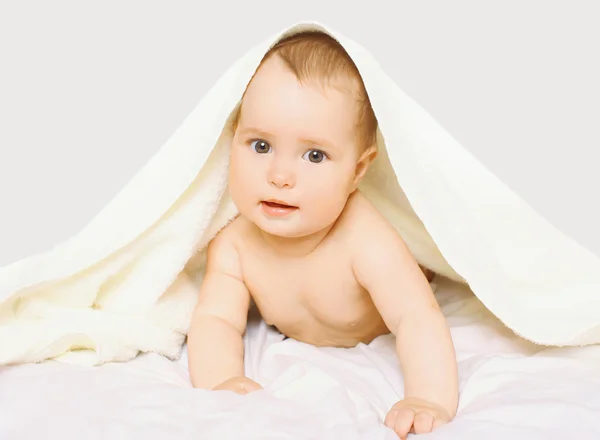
510	389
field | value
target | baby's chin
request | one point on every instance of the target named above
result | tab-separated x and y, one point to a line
292	225
287	228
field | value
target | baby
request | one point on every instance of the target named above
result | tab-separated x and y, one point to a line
320	262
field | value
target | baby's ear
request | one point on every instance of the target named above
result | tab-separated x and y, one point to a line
362	164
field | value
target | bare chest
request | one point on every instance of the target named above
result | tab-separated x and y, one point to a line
292	293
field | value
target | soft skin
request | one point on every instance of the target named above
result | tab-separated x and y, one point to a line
329	269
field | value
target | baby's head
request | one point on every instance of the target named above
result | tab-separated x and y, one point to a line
305	135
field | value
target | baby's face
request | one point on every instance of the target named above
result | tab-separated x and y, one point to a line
295	145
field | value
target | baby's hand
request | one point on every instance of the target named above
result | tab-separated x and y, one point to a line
415	415
239	384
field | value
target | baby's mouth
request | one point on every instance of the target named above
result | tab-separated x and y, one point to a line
281	205
277	208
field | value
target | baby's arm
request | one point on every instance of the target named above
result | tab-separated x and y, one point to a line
384	266
215	338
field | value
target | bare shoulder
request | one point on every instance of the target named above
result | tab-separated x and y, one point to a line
374	234
366	224
223	251
372	238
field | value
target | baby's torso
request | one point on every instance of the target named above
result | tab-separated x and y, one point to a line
314	299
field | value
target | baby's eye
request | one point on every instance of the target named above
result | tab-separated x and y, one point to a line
260	146
315	156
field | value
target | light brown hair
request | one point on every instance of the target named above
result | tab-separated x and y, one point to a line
314	56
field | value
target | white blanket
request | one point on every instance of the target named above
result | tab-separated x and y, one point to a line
510	390
127	282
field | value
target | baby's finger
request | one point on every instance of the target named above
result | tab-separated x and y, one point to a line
423	423
235	387
251	386
390	418
404	421
439	421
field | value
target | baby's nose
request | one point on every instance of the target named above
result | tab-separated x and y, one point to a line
282	175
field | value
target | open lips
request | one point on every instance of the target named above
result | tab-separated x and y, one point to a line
277	208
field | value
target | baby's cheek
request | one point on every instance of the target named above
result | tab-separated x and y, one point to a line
330	200
243	171
240	182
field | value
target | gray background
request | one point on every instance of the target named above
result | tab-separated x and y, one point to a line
90	91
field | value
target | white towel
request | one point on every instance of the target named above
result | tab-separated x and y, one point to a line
127	283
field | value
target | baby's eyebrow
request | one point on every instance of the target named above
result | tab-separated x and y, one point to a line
248	130
314	141
319	143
